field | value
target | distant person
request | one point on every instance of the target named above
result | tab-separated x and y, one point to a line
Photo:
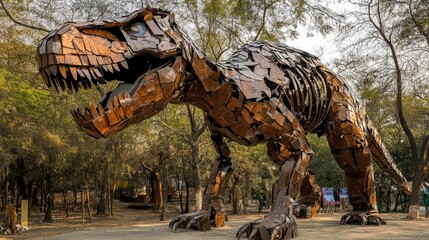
260	199
426	198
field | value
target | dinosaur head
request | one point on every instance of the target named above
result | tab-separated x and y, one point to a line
141	51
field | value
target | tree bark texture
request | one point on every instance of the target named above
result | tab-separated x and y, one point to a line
197	176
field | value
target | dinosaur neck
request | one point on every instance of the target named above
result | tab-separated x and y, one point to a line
205	70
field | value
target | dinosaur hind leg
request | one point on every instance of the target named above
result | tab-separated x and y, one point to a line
310	192
348	143
212	212
294	152
309	203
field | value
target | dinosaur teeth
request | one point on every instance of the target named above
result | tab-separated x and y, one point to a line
87	74
91	70
110	68
127	97
87	115
75	85
73	71
54	69
69	85
124	64
121	98
46	79
101	109
94	112
47	71
61	83
79	117
109	105
54	82
63	71
116	102
116	67
74	114
104	67
97	73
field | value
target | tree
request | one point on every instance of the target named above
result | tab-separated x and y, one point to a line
385	28
198	125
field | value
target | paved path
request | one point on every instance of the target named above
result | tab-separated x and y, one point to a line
326	227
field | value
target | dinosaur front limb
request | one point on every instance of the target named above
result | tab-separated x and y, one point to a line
212	212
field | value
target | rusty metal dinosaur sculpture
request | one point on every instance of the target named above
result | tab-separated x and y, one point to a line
264	93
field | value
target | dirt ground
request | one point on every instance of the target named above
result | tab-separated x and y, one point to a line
144	224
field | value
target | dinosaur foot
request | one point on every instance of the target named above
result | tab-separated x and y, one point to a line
282	227
199	220
306	211
363	218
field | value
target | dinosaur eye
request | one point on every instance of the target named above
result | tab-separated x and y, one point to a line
137	29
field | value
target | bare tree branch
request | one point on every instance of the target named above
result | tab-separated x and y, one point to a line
175	131
20	23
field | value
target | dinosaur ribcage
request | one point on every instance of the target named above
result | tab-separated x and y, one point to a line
267	71
307	95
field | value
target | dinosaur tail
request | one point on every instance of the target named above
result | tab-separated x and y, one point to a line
384	160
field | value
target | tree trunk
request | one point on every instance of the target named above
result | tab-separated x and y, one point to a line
49	200
74	199
11	217
82	203
417	162
158	193
164	204
48	213
22	175
197	176
35	194
42	194
234	195
45	199
17	197
6	185
152	180
65	203
112	196
101	206
156	183
187	197
88	202
1	190
395	208
244	199
180	193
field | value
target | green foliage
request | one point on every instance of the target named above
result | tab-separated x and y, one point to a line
328	172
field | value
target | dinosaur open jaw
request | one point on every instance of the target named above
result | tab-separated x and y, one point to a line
131	80
117	106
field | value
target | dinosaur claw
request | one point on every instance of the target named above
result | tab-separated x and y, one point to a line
270	228
197	220
253	233
362	218
241	231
